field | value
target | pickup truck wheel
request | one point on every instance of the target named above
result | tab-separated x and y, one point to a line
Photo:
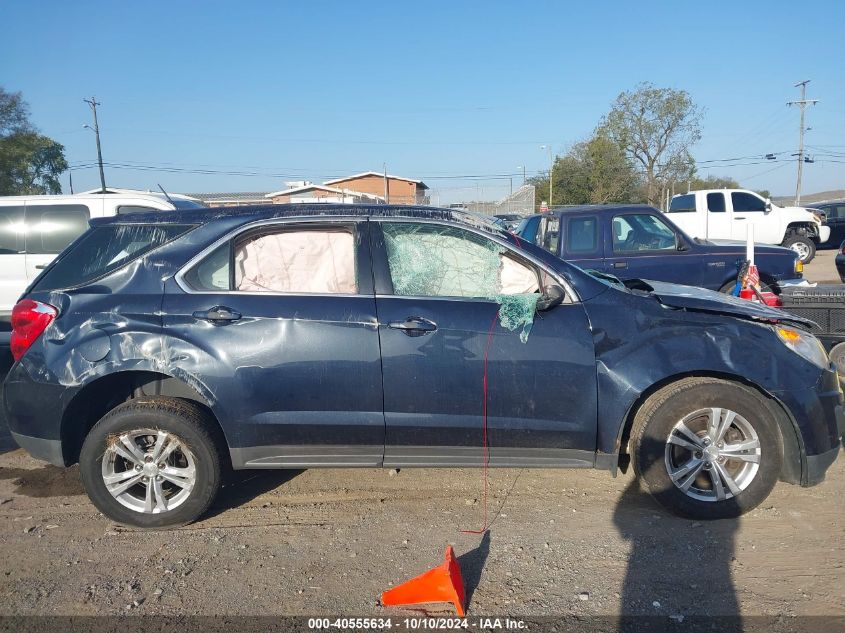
151	463
707	448
801	244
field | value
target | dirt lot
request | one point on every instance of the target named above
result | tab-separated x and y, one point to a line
324	542
329	541
822	269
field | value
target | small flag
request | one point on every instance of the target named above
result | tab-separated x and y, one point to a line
752	277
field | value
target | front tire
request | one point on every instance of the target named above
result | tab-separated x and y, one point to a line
152	463
801	244
707	448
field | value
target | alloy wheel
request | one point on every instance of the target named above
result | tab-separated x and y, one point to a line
712	454
148	470
802	249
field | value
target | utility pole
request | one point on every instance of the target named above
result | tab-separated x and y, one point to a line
801	103
551	174
93	103
386	189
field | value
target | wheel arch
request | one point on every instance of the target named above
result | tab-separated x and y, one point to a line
104	393
801	227
794	460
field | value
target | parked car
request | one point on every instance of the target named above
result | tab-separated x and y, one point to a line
834	214
631	241
34	229
839	261
160	349
508	221
726	214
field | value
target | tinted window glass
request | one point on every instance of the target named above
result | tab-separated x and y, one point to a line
11	230
682	204
51	227
439	261
103	250
213	272
551	233
134	208
641	232
746	202
297	260
582	235
716	202
188	204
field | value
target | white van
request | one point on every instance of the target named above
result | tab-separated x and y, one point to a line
34	229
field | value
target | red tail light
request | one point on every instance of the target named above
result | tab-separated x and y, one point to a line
29	319
842	250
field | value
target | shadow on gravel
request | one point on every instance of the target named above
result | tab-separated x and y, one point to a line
47	481
472	564
678	570
242	486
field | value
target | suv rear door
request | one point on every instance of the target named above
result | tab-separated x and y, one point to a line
278	323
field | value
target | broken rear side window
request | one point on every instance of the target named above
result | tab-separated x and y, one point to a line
103	250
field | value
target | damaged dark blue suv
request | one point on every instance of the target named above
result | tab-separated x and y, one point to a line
157	351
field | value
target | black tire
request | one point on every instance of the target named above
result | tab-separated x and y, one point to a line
794	238
189	424
659	415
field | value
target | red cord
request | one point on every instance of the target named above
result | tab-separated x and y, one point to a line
485	446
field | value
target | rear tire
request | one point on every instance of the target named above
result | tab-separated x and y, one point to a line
152	463
801	244
723	462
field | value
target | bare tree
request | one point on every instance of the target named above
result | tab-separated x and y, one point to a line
657	127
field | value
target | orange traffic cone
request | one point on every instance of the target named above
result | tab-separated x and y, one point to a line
441	584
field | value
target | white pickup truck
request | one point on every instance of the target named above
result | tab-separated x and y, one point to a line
724	214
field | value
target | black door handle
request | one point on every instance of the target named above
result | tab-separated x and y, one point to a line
414	326
41	266
218	314
620	264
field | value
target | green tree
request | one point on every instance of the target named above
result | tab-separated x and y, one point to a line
711	182
30	163
595	171
657	127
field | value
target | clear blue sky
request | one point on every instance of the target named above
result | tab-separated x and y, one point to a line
312	90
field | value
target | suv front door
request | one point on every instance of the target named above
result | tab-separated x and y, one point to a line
447	359
279	325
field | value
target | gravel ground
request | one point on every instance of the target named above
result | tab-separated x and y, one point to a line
329	541
823	269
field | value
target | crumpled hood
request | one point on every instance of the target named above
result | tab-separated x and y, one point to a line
702	300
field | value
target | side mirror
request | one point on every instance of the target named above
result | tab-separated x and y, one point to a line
768	205
682	244
553	296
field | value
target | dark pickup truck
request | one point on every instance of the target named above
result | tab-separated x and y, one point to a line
637	241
